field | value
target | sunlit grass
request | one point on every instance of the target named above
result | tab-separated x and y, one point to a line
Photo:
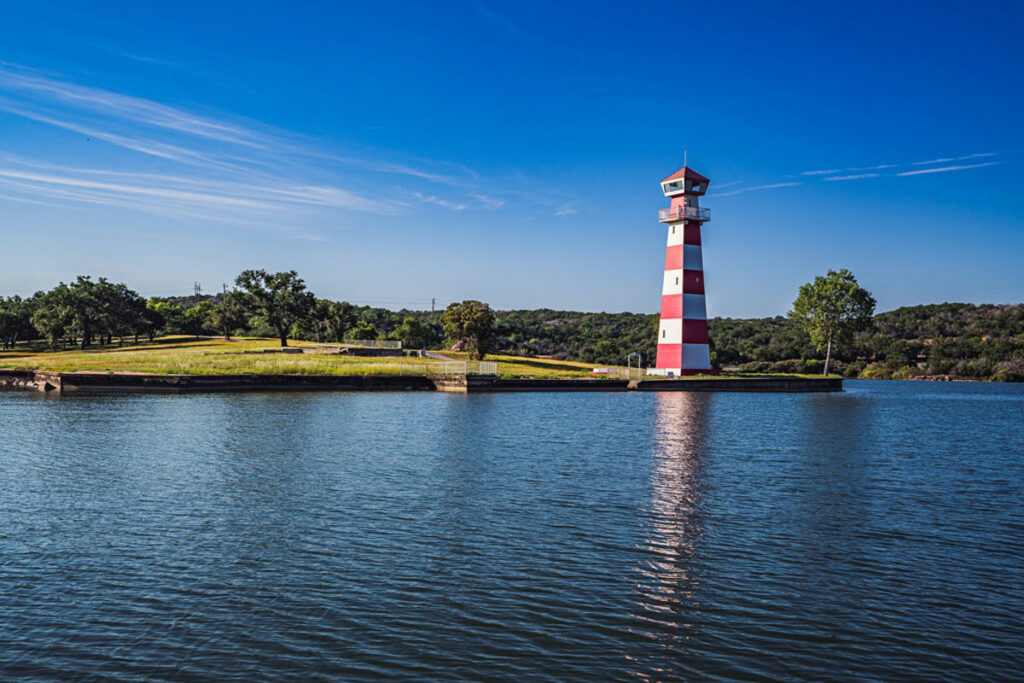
182	355
189	356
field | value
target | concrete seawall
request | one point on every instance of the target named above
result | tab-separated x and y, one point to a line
463	384
751	384
477	384
96	381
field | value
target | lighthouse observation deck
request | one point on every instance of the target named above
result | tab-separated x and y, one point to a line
684	213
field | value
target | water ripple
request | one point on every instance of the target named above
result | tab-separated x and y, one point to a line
875	534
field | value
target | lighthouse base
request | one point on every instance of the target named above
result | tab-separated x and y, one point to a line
679	372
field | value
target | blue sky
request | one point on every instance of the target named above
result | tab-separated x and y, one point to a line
394	152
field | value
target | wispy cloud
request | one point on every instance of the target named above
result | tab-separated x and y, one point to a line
431	199
772	186
229	170
859	173
488	201
216	200
946	169
566	210
142	111
856	176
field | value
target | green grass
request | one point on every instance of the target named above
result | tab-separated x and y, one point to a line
190	356
180	355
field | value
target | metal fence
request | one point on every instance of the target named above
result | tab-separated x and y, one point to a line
374	343
466	367
619	373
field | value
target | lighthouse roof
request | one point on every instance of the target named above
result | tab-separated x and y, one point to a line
687	173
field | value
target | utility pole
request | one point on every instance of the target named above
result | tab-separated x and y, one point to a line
433	304
197	289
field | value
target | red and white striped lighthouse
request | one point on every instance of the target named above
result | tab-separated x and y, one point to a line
683	331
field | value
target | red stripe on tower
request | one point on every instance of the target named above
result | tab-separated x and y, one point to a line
672	306
674	257
669	354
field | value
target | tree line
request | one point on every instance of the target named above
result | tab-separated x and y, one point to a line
951	339
89	312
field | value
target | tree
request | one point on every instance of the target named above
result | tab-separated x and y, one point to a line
84	308
15	319
53	314
831	308
280	299
363	330
341	315
152	318
413	333
229	315
471	325
196	318
165	317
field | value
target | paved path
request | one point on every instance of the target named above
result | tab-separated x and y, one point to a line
440	356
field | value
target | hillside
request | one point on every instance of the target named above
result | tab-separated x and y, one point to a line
960	340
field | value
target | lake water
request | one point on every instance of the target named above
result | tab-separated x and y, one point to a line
873	534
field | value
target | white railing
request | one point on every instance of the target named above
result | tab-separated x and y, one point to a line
465	367
374	343
618	373
681	213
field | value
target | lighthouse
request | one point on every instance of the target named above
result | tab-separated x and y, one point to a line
683	329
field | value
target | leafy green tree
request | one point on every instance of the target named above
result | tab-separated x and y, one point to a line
831	308
53	314
362	330
413	334
280	299
319	318
122	310
171	318
470	324
84	308
152	318
341	316
15	319
197	317
229	315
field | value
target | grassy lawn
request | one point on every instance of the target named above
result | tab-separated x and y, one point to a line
182	355
515	366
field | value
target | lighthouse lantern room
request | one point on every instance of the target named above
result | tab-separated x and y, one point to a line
683	329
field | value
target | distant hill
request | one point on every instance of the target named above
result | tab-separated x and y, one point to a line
959	340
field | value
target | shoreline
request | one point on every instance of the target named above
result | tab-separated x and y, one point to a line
58	382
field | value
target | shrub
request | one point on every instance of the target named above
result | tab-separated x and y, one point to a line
876	371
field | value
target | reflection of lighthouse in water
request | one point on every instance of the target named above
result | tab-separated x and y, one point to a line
666	607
